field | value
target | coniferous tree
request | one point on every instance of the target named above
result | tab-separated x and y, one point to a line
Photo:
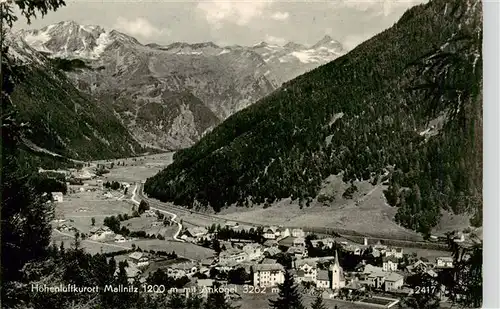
218	300
176	301
288	295
318	302
194	302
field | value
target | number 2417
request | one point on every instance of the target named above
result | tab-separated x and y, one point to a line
425	289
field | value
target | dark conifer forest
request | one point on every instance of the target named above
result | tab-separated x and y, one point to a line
362	115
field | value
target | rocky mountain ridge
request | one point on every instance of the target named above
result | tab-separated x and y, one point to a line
62	120
144	84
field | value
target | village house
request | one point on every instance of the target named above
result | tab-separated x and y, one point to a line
323	279
120	238
203	286
299	241
299	233
150	213
253	251
125	184
66	228
83	175
231	224
183	269
101	234
272	251
283	232
375	253
139	258
232	255
268	261
270	243
268	275
241	228
307	270
333	278
389	264
196	232
393	281
444	262
227	265
395	252
297	252
132	272
57	197
353	249
418	267
380	247
270	233
374	276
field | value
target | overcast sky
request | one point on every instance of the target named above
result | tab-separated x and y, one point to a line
227	22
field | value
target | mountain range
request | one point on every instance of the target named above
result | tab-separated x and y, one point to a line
63	121
403	109
169	96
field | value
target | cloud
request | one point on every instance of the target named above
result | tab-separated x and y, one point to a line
240	12
379	7
275	40
137	27
280	16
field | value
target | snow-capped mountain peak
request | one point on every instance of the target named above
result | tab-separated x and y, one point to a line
70	39
328	43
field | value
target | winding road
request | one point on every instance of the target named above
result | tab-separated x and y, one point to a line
173	215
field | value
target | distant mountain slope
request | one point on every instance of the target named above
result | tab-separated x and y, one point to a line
63	120
133	78
407	102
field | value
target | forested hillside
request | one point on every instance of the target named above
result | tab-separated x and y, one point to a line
407	102
62	119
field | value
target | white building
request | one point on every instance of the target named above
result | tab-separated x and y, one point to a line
323	279
196	232
232	255
268	275
395	252
183	269
299	233
444	262
120	238
253	251
283	233
337	273
57	197
102	234
270	233
309	269
389	264
139	258
299	242
393	281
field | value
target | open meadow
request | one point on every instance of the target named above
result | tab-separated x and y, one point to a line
79	208
187	250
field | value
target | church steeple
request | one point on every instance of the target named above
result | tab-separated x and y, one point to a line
337	263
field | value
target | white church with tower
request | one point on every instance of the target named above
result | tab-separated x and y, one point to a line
308	271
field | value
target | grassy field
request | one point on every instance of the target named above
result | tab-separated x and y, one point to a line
137	169
89	246
79	208
187	250
366	212
371	214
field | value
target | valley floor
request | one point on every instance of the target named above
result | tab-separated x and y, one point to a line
367	213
